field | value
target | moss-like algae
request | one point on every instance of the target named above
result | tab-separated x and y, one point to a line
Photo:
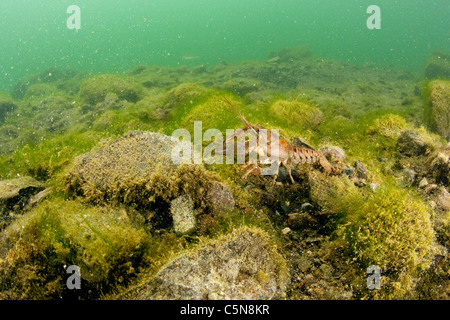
104	242
355	226
95	89
296	113
392	230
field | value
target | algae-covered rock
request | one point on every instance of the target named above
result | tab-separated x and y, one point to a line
15	194
183	214
214	113
186	93
41	90
150	108
241	86
136	169
412	143
95	89
335	157
7	106
289	54
332	152
241	265
393	231
18	191
106	244
439	100
334	194
438	165
218	197
438	65
388	125
296	113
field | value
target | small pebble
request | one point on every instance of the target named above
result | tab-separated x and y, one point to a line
423	183
286	230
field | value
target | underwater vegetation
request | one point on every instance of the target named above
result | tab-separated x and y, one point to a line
87	179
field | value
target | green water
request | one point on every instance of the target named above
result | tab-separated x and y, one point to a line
117	35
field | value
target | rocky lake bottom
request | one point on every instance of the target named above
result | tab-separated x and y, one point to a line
87	180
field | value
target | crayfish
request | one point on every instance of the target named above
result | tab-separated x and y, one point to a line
285	154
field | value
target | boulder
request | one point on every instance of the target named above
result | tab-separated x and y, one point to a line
14	195
439	101
6	106
332	152
136	169
411	143
442	198
438	165
360	170
95	89
296	113
242	265
438	65
18	191
218	197
241	86
184	94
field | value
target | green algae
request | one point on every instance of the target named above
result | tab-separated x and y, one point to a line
295	113
388	125
95	89
391	227
104	242
393	231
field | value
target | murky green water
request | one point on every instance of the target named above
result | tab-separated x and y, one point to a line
118	35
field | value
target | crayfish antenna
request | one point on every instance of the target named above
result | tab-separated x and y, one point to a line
245	122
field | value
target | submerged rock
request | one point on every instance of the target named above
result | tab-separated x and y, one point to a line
438	65
241	86
442	198
95	89
183	214
360	170
186	93
137	169
411	143
241	265
331	152
17	191
289	54
218	197
439	165
439	100
298	221
297	113
6	107
14	195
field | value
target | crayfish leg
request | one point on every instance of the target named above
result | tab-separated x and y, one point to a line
251	168
289	171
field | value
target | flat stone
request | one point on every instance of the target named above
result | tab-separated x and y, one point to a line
218	197
183	214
